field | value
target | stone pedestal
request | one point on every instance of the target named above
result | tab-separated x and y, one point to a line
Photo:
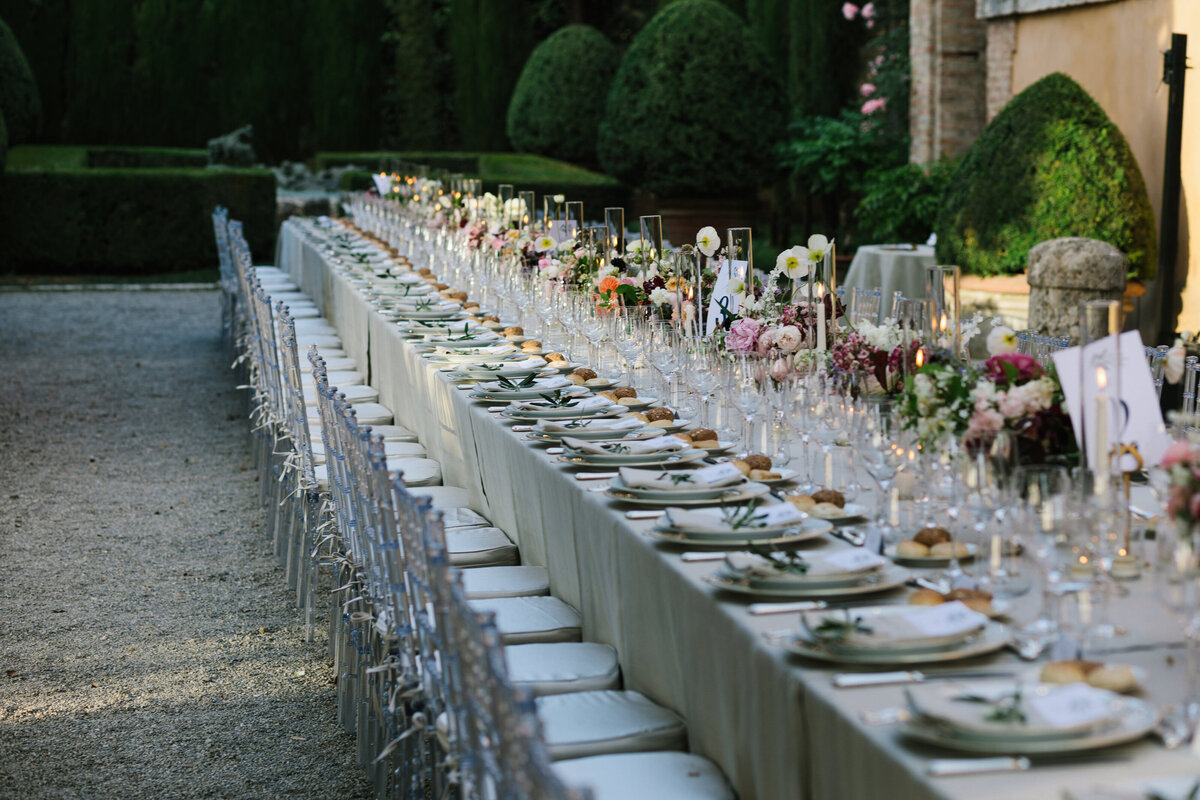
1063	273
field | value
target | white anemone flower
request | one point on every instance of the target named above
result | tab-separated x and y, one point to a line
818	245
707	241
635	246
793	263
736	286
560	198
1001	341
543	243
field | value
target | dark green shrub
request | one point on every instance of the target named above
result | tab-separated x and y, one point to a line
490	41
3	144
145	157
1051	164
695	107
134	221
19	101
901	204
559	99
418	110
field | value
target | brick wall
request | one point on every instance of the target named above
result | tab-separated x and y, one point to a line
948	49
1001	44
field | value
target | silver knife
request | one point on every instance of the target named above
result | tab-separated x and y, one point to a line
646	514
703	556
759	609
854	680
595	476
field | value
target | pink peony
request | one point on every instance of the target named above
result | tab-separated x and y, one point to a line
1027	368
868	11
779	369
1010	404
1177	452
984	423
849	10
788	338
743	335
867	89
873	105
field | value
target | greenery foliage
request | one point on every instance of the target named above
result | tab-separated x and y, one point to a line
19	100
1051	164
901	204
3	144
418	111
559	99
695	108
127	221
490	41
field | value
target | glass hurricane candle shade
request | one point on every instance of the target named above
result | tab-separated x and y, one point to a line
944	323
614	222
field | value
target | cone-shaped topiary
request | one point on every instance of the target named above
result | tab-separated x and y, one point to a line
1051	164
19	100
559	99
695	107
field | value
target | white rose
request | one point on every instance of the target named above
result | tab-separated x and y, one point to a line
1001	341
659	296
560	198
707	241
1173	366
788	338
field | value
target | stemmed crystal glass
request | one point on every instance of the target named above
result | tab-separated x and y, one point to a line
882	459
1042	500
1178	588
747	397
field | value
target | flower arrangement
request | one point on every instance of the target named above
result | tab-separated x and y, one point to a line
1014	392
1182	463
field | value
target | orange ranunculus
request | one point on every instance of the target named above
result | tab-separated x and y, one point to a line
607	284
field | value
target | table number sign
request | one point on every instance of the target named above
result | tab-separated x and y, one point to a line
1134	416
383	184
721	296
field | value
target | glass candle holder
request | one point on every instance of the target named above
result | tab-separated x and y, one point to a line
942	291
740	244
527	210
614	221
574	218
650	228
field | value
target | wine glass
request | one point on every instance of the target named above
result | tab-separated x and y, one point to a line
1178	588
1041	514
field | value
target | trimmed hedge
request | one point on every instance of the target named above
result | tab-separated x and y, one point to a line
3	144
19	101
525	172
128	221
559	99
146	157
1051	164
695	108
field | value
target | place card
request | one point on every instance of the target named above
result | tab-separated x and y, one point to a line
1071	706
947	619
873	540
383	184
721	292
855	559
718	473
779	514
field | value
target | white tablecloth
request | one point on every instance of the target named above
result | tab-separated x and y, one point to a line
889	268
773	723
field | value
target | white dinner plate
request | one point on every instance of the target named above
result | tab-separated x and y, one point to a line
525	394
684	492
735	494
851	512
993	637
637	460
563	413
878	581
807	531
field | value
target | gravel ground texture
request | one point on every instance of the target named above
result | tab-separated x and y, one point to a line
148	643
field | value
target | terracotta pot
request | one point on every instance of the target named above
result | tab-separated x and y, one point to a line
683	216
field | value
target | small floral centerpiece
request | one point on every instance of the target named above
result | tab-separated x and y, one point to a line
883	352
1015	393
1182	463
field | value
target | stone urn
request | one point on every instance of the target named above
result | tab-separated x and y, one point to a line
1063	273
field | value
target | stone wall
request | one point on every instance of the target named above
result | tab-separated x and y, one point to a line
948	49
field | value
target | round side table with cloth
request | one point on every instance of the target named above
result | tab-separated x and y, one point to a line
890	268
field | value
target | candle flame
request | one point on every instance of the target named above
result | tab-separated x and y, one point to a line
945	322
1101	378
920	358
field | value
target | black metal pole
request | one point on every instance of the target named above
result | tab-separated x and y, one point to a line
1174	71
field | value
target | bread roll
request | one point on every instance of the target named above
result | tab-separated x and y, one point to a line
1074	671
830	496
742	467
625	391
1113	677
949	549
827	511
925	597
911	549
802	502
759	461
763	475
703	434
932	535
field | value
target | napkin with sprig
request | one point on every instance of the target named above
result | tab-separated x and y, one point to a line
682	480
809	565
660	444
608	425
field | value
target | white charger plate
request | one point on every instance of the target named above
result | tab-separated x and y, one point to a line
881	581
805	532
927	561
740	494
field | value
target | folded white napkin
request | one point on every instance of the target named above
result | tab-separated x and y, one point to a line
714	520
660	444
852	560
541	384
682	480
917	623
585	404
608	425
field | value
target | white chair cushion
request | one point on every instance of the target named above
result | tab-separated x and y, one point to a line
273	285
482	583
480	547
307	340
459	517
563	667
347	377
355	395
317	327
390	449
394	433
325	352
443	497
525	620
267	270
371	413
292	297
333	365
646	776
416	471
322	473
301	312
596	723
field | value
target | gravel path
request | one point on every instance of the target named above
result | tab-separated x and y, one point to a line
148	645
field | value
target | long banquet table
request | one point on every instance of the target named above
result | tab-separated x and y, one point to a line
774	723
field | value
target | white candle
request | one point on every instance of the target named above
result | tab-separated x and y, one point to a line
894	507
1101	439
820	323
